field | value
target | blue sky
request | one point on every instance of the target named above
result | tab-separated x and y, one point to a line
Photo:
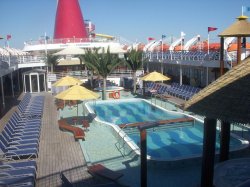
134	20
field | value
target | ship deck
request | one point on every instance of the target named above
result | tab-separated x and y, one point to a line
58	151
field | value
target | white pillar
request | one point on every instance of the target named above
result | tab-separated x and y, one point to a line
31	91
180	72
24	84
18	80
44	83
38	83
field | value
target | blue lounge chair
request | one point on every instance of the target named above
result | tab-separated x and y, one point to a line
19	171
6	147
12	133
20	142
18	165
23	127
18	118
18	181
25	121
17	154
18	177
27	139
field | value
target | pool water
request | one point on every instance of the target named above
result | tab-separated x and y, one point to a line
131	111
180	142
165	142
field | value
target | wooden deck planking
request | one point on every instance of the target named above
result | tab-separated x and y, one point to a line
58	151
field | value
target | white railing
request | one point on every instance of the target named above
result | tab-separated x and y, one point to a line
185	55
31	59
86	73
193	55
68	40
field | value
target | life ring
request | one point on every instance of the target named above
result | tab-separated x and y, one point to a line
116	95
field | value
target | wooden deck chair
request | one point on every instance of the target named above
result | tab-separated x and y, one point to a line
65	181
100	170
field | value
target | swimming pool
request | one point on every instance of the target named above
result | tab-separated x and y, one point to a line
166	142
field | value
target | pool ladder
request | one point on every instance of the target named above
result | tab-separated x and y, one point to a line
120	145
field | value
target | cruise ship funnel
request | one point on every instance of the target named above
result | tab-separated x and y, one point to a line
69	21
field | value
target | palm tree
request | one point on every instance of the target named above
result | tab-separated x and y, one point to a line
102	63
135	62
51	61
82	63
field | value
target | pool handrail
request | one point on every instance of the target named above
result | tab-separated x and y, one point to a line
161	122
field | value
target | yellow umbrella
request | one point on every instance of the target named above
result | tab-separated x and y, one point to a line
77	93
155	76
67	81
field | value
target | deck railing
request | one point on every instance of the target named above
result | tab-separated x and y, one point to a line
68	40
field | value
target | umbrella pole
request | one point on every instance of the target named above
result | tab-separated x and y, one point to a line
77	108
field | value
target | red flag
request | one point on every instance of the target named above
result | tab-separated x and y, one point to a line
150	38
211	29
8	37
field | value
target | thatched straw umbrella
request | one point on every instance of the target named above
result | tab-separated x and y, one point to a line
226	99
239	29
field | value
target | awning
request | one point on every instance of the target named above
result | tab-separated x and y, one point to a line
68	62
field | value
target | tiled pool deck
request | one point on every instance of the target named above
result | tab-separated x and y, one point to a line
58	151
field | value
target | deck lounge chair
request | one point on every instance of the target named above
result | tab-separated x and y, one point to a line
21	118
65	181
19	121
18	165
18	171
102	171
16	144
5	145
23	128
12	138
30	110
18	177
12	133
20	181
13	153
20	154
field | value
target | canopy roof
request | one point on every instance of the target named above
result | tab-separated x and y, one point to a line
69	62
227	98
155	76
239	28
